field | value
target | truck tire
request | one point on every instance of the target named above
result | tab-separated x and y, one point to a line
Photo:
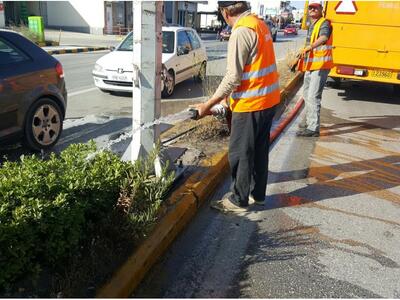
396	89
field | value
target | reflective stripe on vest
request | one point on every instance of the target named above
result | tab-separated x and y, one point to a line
259	73
259	87
318	59
256	93
323	48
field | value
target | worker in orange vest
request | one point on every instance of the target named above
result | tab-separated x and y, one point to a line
316	62
252	83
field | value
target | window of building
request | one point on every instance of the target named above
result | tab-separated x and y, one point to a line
182	17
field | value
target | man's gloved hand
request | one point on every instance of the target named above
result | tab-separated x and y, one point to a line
304	51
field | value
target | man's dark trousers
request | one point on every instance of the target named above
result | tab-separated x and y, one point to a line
248	154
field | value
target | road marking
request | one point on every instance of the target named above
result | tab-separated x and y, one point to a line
81	92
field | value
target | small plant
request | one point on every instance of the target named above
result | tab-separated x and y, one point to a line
48	208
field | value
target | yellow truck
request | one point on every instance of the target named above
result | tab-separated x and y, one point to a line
366	40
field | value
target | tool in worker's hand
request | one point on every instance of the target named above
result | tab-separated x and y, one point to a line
218	110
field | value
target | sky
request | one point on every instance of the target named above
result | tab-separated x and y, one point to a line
297	4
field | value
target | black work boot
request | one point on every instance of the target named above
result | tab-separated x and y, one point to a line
307	133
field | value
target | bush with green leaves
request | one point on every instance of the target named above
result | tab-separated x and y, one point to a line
48	207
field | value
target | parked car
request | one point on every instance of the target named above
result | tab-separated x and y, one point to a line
33	97
273	29
290	29
225	33
183	56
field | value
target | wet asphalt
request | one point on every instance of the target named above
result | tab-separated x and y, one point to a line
330	226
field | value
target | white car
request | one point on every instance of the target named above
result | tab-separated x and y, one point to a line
183	56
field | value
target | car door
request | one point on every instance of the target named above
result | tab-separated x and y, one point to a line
12	87
198	52
185	57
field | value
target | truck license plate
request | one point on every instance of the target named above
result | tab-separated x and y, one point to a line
381	74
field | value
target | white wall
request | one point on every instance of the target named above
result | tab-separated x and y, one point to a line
268	5
2	17
87	16
210	7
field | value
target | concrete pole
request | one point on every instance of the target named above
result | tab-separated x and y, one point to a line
2	15
146	102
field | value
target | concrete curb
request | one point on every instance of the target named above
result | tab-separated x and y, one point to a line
76	50
182	206
47	43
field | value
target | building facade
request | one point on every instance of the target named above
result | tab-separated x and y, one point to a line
95	16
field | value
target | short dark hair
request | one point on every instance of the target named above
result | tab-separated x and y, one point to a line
236	9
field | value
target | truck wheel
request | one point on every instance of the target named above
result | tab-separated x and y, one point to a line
43	125
396	89
336	83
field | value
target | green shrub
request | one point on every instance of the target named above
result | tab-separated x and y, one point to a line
48	207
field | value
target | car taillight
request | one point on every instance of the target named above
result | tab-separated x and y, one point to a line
59	70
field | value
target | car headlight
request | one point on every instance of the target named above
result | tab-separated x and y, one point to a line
98	68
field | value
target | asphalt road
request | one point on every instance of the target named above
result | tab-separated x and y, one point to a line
330	227
92	114
85	99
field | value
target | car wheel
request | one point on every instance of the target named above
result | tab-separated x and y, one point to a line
202	72
43	125
169	84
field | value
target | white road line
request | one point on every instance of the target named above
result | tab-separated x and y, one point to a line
81	92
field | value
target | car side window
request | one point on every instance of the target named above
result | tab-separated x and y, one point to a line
183	41
193	39
9	54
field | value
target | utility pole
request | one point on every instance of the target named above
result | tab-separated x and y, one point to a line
2	15
146	100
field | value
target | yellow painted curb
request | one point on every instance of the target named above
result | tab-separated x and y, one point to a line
185	202
182	206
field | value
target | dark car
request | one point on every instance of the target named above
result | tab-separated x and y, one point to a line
33	96
225	33
273	29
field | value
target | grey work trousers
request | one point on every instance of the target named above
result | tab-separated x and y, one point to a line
314	82
248	154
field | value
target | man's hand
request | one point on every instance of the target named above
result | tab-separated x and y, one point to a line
203	109
302	52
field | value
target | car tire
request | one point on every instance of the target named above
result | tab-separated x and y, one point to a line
43	125
202	72
169	88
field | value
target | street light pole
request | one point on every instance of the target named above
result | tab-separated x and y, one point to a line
146	99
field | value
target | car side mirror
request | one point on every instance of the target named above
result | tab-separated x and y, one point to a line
183	50
112	48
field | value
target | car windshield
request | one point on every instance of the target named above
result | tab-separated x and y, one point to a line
168	42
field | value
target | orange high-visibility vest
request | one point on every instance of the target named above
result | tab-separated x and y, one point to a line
259	87
321	57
